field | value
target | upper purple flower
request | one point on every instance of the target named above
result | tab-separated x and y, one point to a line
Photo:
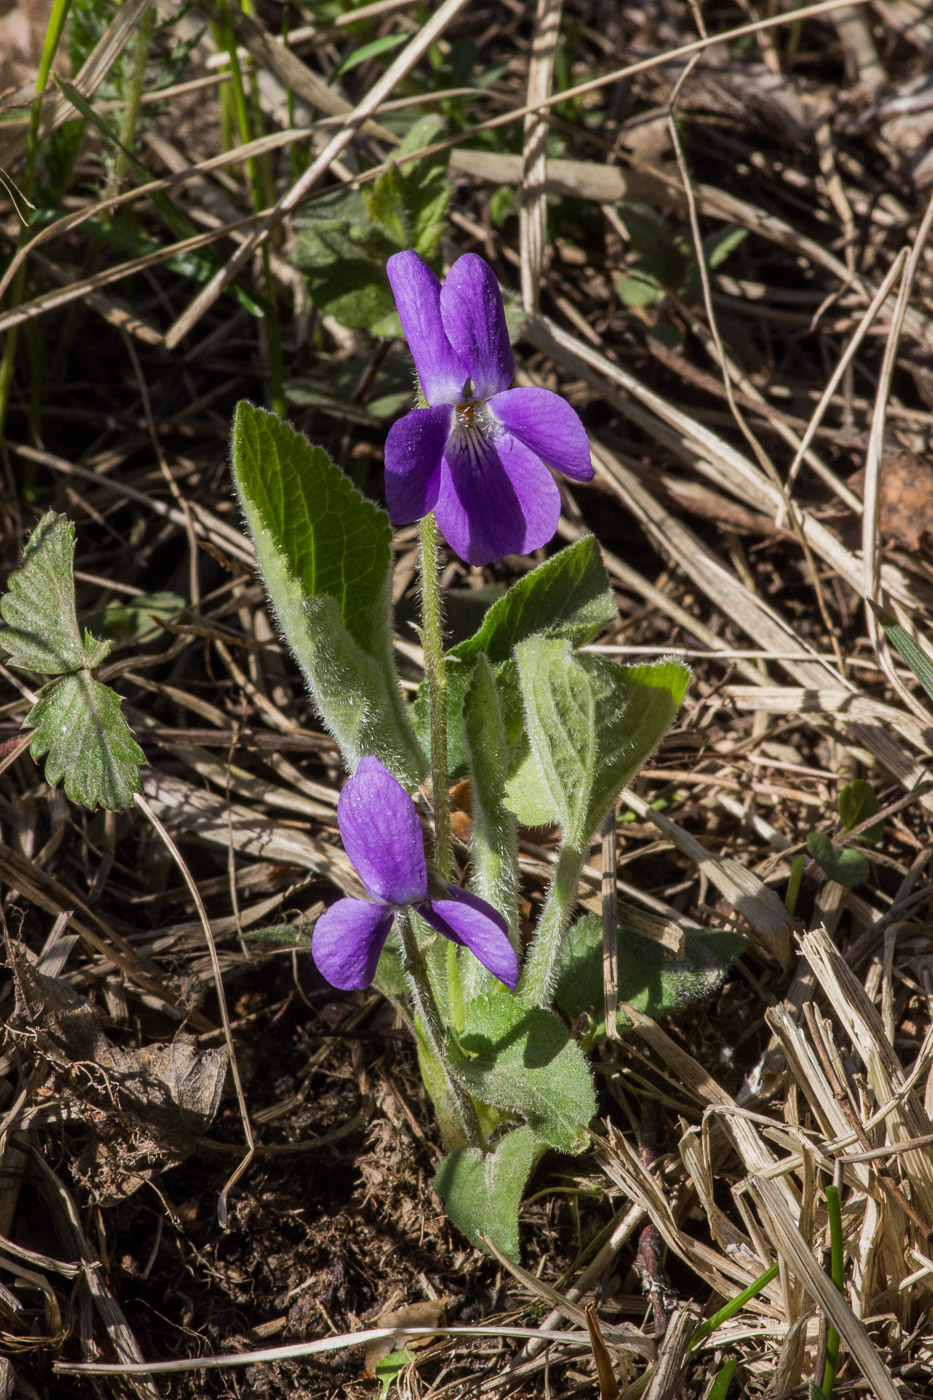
477	456
382	836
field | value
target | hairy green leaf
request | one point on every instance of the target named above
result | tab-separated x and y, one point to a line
493	841
39	606
568	596
591	725
482	1191
522	1059
80	726
325	553
78	721
650	981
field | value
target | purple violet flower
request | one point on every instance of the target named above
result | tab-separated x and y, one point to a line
477	456
382	836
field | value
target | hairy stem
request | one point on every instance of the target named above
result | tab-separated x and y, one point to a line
433	1030
433	640
541	969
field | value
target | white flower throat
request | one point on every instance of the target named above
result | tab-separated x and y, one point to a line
474	425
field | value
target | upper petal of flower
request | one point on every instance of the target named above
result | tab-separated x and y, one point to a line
474	319
347	941
414	448
417	295
547	425
467	919
496	498
382	835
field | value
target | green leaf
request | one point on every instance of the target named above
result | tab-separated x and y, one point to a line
345	280
638	290
78	721
493	842
857	802
908	650
42	632
522	1059
409	201
391	1367
653	983
591	725
371	50
137	619
325	554
847	866
482	1192
718	246
568	596
80	725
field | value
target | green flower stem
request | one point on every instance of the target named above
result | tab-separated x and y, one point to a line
127	137
432	1029
432	631
543	963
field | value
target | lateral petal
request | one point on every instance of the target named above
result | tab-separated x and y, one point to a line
496	497
414	449
347	940
466	919
548	426
382	835
417	295
474	320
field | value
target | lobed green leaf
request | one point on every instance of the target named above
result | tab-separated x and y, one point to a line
78	721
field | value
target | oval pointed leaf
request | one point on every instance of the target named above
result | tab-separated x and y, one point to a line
591	725
325	554
482	1191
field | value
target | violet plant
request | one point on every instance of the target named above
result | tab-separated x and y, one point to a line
547	733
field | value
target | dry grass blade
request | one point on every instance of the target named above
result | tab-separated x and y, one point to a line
907	1118
667	1380
410	55
532	217
760	907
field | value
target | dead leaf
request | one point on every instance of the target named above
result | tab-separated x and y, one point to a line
145	1108
429	1313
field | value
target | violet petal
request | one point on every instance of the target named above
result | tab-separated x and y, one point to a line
347	940
548	426
465	918
414	449
474	319
496	497
382	835
417	295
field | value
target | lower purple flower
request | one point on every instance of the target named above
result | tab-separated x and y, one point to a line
382	836
478	457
